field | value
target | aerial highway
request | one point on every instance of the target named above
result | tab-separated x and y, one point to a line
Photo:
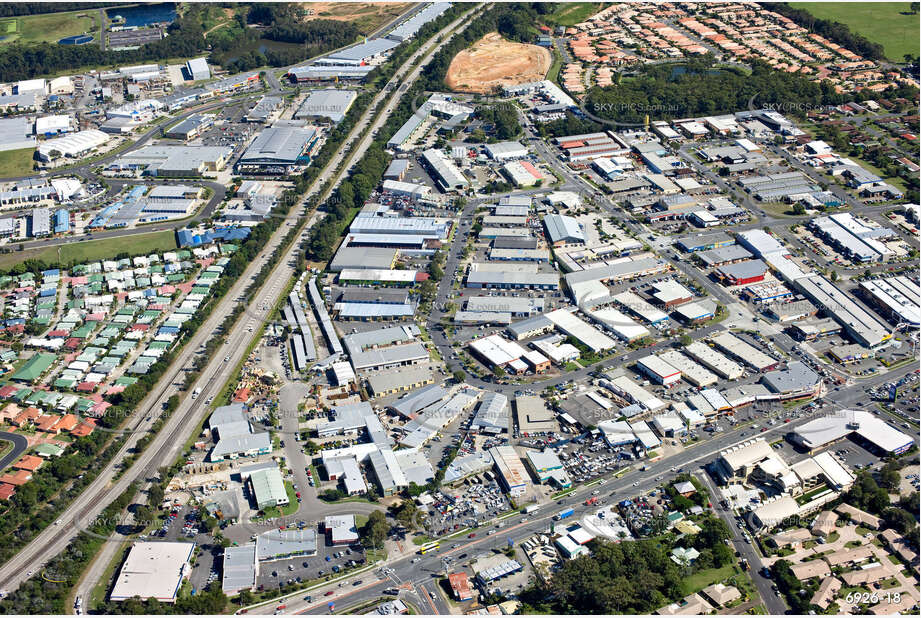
191	412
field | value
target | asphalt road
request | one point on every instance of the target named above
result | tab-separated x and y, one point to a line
423	574
20	444
189	415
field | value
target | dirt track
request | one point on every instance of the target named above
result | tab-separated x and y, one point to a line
493	62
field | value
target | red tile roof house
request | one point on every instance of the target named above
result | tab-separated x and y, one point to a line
20	477
67	423
26	417
31	463
84	429
7	491
47	423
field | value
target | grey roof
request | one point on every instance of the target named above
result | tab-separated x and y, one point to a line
278	145
512	277
493	413
399	379
612	271
239	568
355	343
406	129
362	257
688	243
563	229
16	134
263	108
538	322
389	356
796	377
743	270
446	170
242	443
330	72
331	103
277	544
412	403
369	295
410	27
396	168
857	321
172	191
363	50
721	255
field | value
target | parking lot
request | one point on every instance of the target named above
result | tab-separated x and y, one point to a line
329	561
475	500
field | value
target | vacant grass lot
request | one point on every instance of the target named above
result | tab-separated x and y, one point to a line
573	13
16	162
50	27
702	579
90	250
886	23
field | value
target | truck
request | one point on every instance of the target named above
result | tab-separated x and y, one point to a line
564	514
592	501
196	393
531	508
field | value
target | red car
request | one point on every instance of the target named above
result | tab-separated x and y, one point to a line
471	535
329	593
763	429
298	494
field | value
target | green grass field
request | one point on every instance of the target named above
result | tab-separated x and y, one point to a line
16	162
90	250
50	27
573	13
886	23
702	579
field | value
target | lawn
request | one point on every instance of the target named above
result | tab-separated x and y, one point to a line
886	23
16	162
50	27
90	250
570	14
702	579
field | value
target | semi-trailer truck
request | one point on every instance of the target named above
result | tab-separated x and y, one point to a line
564	514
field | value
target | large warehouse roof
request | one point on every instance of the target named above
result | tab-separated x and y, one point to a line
153	569
563	229
75	144
278	145
363	51
330	103
822	431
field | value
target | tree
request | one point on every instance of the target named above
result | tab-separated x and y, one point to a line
459	376
374	531
407	513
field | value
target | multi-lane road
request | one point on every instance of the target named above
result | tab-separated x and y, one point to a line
422	575
191	412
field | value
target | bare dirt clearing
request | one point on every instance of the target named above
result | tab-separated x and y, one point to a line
493	62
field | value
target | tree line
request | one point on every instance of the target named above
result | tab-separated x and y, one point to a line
630	577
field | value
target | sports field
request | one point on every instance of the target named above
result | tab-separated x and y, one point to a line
886	23
50	27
